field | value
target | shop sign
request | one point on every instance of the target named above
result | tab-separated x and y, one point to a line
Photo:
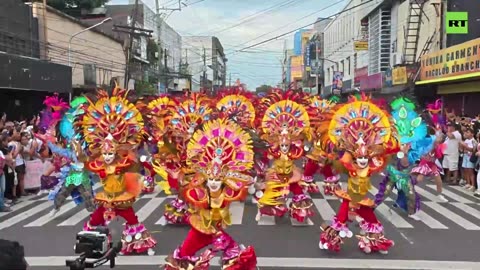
360	45
371	82
452	62
399	76
359	74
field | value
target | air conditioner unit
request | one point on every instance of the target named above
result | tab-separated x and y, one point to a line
396	59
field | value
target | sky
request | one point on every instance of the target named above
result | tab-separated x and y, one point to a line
240	23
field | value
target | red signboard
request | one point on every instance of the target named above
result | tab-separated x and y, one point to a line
367	82
359	74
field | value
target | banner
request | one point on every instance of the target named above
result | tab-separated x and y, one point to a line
337	82
452	62
34	169
399	76
296	67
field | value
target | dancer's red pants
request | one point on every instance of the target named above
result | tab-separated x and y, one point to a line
364	212
311	167
194	242
97	217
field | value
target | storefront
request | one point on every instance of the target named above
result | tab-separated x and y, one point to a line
455	74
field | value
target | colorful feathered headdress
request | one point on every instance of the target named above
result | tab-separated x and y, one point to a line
409	125
238	105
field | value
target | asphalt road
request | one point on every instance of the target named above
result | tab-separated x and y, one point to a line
445	239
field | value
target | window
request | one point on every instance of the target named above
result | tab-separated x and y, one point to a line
343	66
328	74
348	65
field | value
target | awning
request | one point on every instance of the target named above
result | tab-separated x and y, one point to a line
457	88
451	79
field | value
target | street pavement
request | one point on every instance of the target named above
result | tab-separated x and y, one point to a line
445	238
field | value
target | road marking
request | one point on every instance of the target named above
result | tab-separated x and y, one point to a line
151	195
452	195
328	197
312	263
236	212
148	208
18	206
267	221
393	217
48	217
427	194
430	221
374	191
467	209
75	219
324	208
463	190
452	216
24	215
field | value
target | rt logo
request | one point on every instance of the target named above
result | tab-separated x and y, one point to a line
456	23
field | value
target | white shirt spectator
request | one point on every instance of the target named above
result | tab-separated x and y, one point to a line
19	159
453	144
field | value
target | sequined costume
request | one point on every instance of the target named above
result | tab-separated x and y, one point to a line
111	126
321	156
411	131
285	126
74	180
363	132
220	154
183	120
238	105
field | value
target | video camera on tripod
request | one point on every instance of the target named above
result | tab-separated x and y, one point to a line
95	249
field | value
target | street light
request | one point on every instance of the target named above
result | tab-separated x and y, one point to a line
70	44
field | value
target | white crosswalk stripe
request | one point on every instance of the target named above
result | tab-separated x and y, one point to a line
460	212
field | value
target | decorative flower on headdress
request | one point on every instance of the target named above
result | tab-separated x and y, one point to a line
111	119
360	127
237	104
222	150
190	114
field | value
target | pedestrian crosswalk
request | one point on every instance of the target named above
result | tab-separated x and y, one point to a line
463	211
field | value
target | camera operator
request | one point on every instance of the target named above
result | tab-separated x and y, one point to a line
12	256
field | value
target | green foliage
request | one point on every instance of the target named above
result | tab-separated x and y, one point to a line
68	4
263	88
152	49
143	88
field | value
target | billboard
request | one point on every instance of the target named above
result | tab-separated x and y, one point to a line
297	42
296	67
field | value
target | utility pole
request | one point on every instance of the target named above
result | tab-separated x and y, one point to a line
204	69
317	57
230	79
130	43
159	41
165	69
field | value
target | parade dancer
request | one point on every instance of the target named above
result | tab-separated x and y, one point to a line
363	132
285	126
220	154
321	157
187	116
111	126
411	131
74	180
238	105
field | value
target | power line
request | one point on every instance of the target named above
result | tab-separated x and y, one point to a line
299	19
305	26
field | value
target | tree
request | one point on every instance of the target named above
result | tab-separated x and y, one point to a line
144	88
76	4
263	88
152	49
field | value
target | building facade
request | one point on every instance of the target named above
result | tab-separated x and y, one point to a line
206	60
96	58
314	68
26	76
341	58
